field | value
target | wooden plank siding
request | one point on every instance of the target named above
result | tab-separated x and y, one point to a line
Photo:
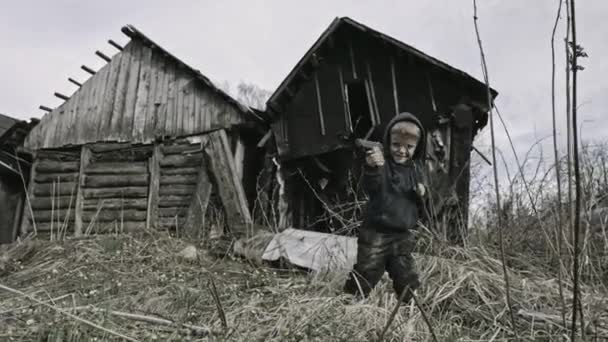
141	95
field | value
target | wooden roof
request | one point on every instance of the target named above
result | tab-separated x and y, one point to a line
328	34
144	93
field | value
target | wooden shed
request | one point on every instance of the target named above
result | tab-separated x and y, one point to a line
143	143
351	82
12	166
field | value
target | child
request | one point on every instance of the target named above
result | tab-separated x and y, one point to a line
394	186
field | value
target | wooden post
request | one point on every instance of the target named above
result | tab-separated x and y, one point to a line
319	104
116	45
154	187
75	82
229	187
347	120
85	155
395	92
352	59
198	204
18	214
28	212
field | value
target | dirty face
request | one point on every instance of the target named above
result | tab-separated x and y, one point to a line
404	138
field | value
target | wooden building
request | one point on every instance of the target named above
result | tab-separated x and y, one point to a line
145	142
352	81
13	165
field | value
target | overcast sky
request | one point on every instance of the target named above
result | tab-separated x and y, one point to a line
45	42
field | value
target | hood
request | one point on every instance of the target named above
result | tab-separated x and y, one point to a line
405	116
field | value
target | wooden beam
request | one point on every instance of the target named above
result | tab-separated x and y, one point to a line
352	59
264	139
370	80
103	56
195	218
87	69
116	45
319	104
28	212
394	80
85	155
230	189
61	96
75	82
347	119
18	215
46	109
153	187
431	93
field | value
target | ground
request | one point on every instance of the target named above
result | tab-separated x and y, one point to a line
106	280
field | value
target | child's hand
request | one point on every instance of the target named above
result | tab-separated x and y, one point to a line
374	157
420	190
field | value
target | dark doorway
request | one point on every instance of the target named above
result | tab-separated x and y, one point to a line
359	108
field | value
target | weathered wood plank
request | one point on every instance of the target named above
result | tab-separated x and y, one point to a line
105	181
180	160
124	192
72	114
121	92
59	202
181	148
51	166
55	189
56	177
150	110
160	99
107	103
57	215
178	179
196	114
170	171
99	116
198	205
181	116
141	103
109	147
109	168
116	203
229	187
107	215
190	109
126	126
177	190
171	222
114	227
171	92
172	212
80	117
153	193
47	227
92	117
60	138
174	201
85	156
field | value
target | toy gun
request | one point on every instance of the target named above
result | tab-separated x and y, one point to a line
367	144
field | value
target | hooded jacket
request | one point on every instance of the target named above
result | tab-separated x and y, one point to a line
393	203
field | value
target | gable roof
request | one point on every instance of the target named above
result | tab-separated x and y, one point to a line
346	21
143	93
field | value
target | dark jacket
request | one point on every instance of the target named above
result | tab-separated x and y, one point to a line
393	203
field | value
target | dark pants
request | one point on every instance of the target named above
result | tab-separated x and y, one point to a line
379	251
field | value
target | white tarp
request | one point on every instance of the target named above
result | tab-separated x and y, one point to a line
313	250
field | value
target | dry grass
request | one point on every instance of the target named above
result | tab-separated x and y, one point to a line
463	293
